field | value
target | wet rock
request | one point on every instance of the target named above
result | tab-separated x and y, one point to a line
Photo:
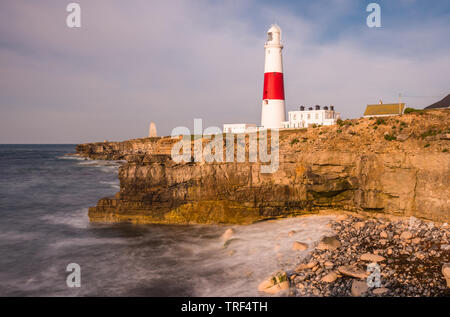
305	266
329	243
299	246
275	283
227	234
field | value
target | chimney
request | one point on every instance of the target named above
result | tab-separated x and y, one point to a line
317	107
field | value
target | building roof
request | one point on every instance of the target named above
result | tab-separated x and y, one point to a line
384	109
444	103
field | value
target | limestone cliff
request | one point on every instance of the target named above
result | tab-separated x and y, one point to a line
397	165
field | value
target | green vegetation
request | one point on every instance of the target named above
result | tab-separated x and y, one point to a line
339	131
390	137
380	121
430	132
294	141
375	127
445	150
411	110
427	145
340	122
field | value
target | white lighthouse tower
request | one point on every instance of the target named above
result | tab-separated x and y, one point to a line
273	108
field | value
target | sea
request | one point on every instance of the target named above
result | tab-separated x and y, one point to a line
44	229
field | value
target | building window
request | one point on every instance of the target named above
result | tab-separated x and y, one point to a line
317	116
309	116
269	36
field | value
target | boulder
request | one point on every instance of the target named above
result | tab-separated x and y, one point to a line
352	271
329	243
305	266
227	234
402	137
380	291
369	257
330	277
359	288
446	273
406	235
383	234
299	246
275	283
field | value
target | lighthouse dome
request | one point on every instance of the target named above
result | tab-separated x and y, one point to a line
274	29
274	35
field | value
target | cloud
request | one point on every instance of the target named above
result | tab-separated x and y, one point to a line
173	61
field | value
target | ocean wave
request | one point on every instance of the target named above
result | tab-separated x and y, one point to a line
76	219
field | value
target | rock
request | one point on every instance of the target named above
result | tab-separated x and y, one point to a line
228	242
406	235
227	234
445	247
352	271
305	266
371	257
383	241
380	291
383	234
275	283
416	240
329	243
291	233
420	255
341	217
330	277
359	288
402	137
299	246
389	251
359	225
328	264
446	273
445	136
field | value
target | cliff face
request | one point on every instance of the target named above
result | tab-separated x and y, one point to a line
397	165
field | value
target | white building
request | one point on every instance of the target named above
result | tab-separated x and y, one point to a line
239	128
304	118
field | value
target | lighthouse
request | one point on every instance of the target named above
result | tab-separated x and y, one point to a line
273	108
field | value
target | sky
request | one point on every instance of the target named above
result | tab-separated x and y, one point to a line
137	61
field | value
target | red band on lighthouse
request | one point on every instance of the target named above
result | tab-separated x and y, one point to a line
273	86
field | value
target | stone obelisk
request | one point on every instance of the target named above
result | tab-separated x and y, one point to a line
152	130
